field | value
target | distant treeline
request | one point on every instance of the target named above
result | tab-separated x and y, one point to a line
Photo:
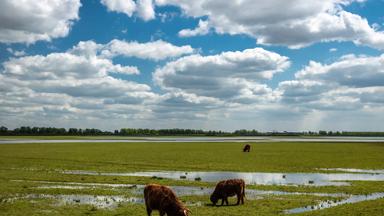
52	131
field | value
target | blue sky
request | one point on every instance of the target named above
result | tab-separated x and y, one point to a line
202	64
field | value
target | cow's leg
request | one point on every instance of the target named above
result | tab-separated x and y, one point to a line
226	200
162	213
149	211
222	201
238	198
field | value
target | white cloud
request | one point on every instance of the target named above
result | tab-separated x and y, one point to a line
202	29
295	91
301	23
230	76
49	67
142	8
16	52
167	16
353	71
145	9
121	6
30	21
71	85
78	84
333	50
81	83
154	50
352	83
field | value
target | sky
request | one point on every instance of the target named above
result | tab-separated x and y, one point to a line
294	65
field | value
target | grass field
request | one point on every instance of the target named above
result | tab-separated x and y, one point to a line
30	163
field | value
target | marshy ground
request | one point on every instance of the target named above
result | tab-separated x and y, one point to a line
88	178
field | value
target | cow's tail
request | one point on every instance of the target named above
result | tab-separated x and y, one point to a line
243	189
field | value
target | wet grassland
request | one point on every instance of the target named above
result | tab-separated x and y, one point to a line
107	178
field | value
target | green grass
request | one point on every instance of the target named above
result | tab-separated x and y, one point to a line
44	162
269	206
268	157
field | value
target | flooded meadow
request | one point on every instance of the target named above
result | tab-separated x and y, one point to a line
109	178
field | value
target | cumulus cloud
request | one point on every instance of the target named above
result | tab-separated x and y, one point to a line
227	76
302	23
181	105
226	91
49	67
72	85
142	8
30	21
16	52
121	6
350	83
354	71
145	9
82	83
154	50
295	91
201	29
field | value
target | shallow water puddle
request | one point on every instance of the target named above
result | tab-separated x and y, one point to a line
95	200
330	204
179	190
311	179
349	170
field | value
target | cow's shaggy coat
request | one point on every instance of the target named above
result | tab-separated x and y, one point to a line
228	188
163	199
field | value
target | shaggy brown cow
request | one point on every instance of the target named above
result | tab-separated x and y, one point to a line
162	198
228	188
247	148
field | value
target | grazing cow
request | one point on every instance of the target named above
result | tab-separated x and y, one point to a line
162	198
228	188
247	148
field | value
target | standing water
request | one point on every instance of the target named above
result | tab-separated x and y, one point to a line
311	179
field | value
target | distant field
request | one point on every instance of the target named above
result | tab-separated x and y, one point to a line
66	137
45	162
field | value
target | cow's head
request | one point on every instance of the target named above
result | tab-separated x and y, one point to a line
183	212
213	199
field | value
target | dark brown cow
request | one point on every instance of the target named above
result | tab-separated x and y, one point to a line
162	198
228	188
247	148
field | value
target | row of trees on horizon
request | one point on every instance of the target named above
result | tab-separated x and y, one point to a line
52	131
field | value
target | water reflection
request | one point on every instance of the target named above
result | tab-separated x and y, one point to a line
311	179
330	204
105	201
370	171
94	200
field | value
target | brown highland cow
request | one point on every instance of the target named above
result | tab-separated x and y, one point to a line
228	188
247	148
163	199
